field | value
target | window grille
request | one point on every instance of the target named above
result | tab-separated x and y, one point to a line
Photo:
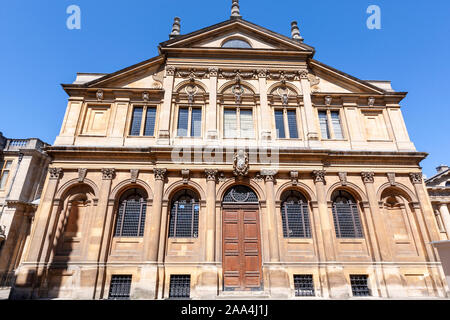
360	287
304	286
295	216
180	286
184	214
120	287
240	194
131	215
346	217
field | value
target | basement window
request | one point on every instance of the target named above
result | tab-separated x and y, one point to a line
360	287
304	286
120	287
180	287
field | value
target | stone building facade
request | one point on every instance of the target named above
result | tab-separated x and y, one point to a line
438	188
23	166
232	165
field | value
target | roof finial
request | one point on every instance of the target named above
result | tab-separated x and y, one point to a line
235	12
295	32
175	28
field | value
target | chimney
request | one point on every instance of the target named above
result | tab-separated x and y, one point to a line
235	11
295	32
442	168
175	28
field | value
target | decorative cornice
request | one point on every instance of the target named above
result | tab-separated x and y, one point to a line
160	174
416	177
55	173
319	175
211	174
108	173
368	177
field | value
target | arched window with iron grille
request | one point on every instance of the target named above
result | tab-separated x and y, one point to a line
240	194
295	215
347	221
131	216
184	212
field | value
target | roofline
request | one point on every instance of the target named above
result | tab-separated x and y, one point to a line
437	175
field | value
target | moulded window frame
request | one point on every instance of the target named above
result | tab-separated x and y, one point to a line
238	109
330	124
298	118
175	121
143	120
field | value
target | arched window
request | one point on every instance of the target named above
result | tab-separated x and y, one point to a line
240	194
295	215
347	222
236	43
184	215
131	217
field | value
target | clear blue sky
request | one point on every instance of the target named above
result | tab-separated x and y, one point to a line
38	52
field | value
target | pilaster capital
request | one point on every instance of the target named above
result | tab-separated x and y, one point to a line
269	174
213	72
262	73
55	173
416	177
170	71
368	177
108	173
319	175
303	74
160	174
211	174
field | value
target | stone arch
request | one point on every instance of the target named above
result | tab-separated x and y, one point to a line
351	188
184	83
128	184
276	85
401	188
244	84
177	186
300	187
232	182
65	188
236	37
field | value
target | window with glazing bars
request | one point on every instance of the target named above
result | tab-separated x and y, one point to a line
295	216
189	122
347	222
131	215
4	173
180	286
183	222
286	119
143	121
360	286
304	286
238	123
330	125
120	287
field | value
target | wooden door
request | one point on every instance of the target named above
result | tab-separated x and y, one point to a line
241	249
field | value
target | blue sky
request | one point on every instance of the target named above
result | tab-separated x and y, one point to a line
39	52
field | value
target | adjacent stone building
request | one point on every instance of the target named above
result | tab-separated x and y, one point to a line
438	188
23	168
232	165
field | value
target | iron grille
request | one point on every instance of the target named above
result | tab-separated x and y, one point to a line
184	219
131	215
304	286
120	287
295	218
360	286
240	194
346	220
180	286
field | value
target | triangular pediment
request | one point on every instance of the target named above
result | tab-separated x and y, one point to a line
257	36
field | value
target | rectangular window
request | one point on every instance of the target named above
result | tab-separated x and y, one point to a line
246	117
4	174
279	124
292	123
143	121
330	125
120	287
150	121
180	286
189	122
360	287
238	123
230	123
304	286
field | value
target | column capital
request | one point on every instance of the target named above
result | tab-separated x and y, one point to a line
262	73
108	173
55	173
269	174
368	177
319	175
211	174
303	74
160	174
213	71
170	71
416	177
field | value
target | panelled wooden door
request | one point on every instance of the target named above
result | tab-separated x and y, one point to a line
241	249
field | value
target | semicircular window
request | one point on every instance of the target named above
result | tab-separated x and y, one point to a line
236	43
240	194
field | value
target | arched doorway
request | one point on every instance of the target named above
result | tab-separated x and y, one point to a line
241	254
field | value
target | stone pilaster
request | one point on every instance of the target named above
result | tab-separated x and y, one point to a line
211	176
269	176
265	115
211	123
312	135
164	119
